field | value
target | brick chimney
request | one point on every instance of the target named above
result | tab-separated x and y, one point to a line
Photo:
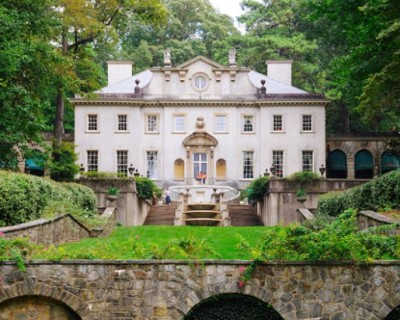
280	71
118	70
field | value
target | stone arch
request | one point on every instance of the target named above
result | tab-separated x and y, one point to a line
30	288
48	308
389	162
364	165
179	169
232	306
221	169
394	314
336	164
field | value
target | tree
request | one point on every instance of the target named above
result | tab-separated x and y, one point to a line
82	24
25	75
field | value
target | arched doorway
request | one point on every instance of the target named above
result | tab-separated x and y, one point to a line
336	165
30	307
232	306
179	169
364	165
394	315
221	169
389	162
35	164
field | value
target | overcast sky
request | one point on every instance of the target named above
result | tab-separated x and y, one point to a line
229	7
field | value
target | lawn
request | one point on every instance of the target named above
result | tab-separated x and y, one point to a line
162	242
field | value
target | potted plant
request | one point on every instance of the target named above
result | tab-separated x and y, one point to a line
112	193
301	195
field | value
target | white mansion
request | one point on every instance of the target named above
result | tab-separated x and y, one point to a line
171	122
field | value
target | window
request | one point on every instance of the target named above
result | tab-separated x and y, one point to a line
152	123
248	165
122	122
122	162
92	160
308	161
248	123
152	164
92	122
278	124
179	123
307	122
277	162
220	123
200	82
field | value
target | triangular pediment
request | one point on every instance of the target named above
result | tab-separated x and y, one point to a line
212	63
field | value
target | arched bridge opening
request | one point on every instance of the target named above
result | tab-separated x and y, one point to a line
232	306
31	307
394	315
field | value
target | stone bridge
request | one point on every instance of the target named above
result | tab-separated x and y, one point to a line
94	289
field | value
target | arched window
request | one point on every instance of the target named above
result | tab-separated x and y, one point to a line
221	169
389	162
337	165
364	165
179	169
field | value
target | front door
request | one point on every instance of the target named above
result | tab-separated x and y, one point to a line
199	163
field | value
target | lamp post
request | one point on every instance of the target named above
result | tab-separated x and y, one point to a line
322	170
266	173
131	170
273	170
82	168
136	174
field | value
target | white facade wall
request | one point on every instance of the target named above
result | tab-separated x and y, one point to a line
230	92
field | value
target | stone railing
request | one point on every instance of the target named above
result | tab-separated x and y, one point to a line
64	228
370	219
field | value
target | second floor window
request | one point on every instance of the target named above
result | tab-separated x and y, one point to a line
92	122
307	122
179	123
122	122
278	124
92	160
220	123
152	123
248	125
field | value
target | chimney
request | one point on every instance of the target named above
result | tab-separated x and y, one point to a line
118	70
280	71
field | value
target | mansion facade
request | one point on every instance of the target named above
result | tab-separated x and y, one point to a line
171	122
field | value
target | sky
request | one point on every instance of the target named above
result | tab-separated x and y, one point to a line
229	7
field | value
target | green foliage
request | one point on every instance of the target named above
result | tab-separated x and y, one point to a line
300	193
373	195
63	166
146	188
15	249
338	240
257	189
26	197
113	191
103	175
304	176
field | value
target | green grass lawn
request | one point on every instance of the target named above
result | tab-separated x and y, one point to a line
162	242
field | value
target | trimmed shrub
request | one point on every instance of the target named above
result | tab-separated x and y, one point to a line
303	176
374	195
257	188
63	166
24	197
146	188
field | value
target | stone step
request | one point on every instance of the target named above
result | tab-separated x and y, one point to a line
243	215
161	215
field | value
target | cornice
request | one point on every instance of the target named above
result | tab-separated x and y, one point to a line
198	103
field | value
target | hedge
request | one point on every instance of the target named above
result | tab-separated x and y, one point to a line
377	194
24	197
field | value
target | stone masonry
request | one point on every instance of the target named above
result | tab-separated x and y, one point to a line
162	290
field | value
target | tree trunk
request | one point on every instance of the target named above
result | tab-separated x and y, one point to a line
59	119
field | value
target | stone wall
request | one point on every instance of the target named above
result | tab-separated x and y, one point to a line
169	289
132	211
280	203
65	228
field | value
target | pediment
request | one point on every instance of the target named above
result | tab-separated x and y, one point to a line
200	138
190	62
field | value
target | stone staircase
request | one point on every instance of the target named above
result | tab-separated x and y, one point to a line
161	215
240	215
243	215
